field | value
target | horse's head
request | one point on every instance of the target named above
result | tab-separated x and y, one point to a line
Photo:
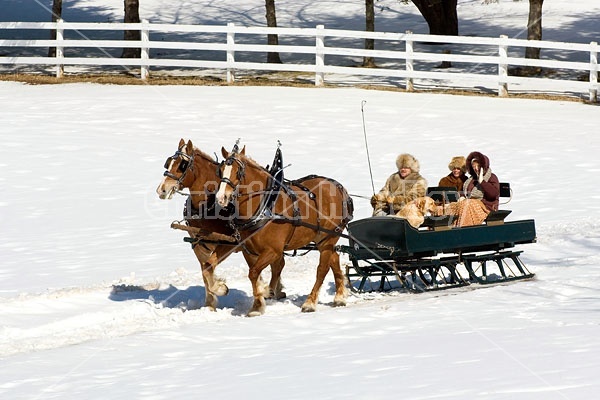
177	167
232	171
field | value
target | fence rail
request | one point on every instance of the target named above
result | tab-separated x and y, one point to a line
403	58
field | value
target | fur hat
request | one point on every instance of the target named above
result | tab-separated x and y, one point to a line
458	162
484	162
407	161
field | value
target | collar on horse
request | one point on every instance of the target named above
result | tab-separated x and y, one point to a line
275	183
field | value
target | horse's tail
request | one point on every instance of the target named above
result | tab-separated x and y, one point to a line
348	204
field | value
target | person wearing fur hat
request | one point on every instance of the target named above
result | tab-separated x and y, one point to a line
481	190
401	187
456	178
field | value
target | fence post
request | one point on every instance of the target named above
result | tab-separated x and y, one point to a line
230	53
410	87
593	72
503	67
145	54
60	53
319	56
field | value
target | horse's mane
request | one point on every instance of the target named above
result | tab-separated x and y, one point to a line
249	160
204	155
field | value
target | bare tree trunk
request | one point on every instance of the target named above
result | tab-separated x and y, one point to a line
369	62
442	19
272	40
132	14
534	27
441	16
56	15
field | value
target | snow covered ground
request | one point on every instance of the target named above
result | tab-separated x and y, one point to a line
99	298
79	215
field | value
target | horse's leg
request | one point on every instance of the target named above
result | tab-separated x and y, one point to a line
310	304
208	259
257	265
341	293
251	259
204	258
218	286
276	288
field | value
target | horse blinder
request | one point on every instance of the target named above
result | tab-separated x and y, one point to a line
168	162
183	166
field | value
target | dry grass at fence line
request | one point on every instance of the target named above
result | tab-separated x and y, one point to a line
278	79
129	79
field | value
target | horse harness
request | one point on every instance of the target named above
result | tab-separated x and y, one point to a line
276	184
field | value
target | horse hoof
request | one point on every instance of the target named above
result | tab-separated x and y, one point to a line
339	303
254	314
308	308
281	295
220	289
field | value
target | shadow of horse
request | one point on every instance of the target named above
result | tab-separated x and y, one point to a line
190	298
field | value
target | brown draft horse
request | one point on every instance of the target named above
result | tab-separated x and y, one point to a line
193	169
313	209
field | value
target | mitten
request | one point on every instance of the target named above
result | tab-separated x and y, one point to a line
480	177
378	199
374	201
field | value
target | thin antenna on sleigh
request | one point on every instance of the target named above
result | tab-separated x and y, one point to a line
362	110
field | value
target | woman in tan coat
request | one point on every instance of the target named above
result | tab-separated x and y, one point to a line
456	178
401	187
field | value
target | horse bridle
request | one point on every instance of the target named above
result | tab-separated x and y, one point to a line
184	165
228	163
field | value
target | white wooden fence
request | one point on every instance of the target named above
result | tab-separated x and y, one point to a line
401	57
